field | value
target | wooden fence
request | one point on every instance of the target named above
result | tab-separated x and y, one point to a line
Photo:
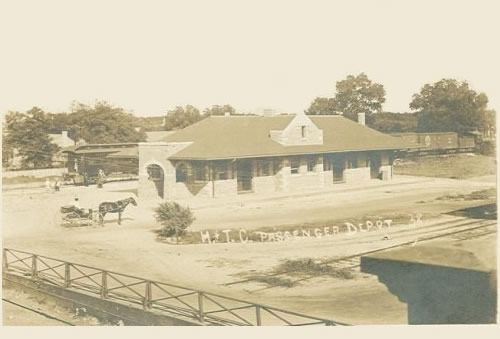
207	308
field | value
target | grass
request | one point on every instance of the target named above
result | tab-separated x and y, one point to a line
312	267
476	195
191	237
274	281
455	166
303	267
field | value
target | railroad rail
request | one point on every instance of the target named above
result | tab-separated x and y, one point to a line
473	229
204	307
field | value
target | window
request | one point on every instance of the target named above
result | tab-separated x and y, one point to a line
181	173
221	172
303	131
276	166
199	171
310	164
327	163
352	161
263	168
295	165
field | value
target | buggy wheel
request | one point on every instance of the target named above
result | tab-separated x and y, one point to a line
96	216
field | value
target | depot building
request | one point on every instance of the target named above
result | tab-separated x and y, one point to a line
229	155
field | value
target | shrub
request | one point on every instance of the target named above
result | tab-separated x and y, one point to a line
487	148
174	218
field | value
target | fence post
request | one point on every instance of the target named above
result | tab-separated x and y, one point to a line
5	264
148	296
67	275
257	315
34	270
200	306
104	285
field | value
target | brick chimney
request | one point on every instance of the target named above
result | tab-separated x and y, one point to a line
361	118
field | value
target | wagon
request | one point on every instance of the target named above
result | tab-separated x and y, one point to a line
71	216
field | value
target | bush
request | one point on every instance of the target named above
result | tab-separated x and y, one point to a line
487	148
174	218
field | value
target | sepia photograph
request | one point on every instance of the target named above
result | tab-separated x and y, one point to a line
249	163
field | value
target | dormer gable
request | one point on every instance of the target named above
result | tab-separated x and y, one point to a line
300	131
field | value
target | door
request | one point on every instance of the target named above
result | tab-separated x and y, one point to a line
244	175
375	162
156	175
338	167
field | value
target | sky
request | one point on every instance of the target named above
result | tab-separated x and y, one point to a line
150	56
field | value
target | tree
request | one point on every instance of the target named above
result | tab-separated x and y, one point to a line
450	106
219	110
358	94
102	124
386	122
174	218
490	123
181	117
322	106
355	94
27	133
149	124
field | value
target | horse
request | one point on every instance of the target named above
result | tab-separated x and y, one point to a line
114	207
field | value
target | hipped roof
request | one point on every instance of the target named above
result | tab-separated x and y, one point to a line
232	137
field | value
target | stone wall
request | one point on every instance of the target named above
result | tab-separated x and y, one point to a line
223	188
386	166
388	170
276	178
327	178
300	131
183	190
157	154
265	184
304	181
356	175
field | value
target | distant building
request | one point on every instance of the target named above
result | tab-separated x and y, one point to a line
111	158
224	156
58	160
62	140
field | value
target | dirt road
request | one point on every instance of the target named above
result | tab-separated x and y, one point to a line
30	224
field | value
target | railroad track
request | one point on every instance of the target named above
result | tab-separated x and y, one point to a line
474	234
459	230
46	315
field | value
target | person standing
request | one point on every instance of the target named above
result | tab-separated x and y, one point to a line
85	179
100	178
57	186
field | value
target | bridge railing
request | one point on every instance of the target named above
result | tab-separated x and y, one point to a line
204	307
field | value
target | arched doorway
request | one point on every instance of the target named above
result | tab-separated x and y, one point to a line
155	174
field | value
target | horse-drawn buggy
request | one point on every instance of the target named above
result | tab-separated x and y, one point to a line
74	216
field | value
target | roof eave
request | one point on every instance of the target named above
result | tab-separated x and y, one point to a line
290	154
